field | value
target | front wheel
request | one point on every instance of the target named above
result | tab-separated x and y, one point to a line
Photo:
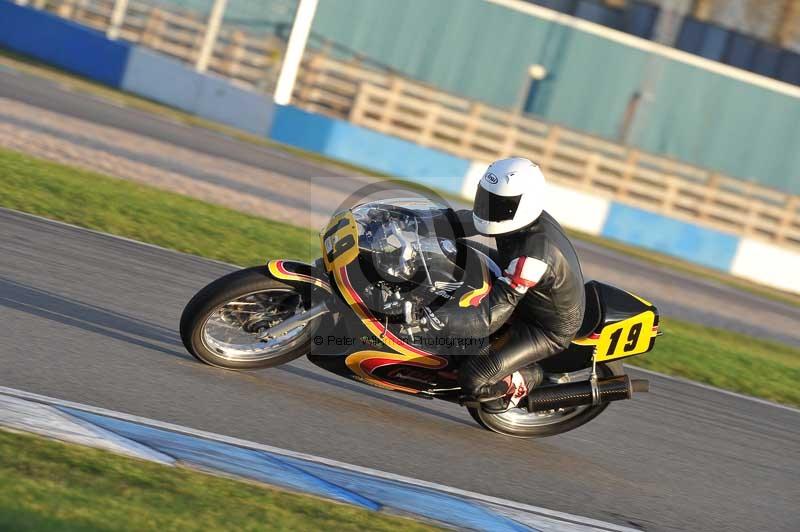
520	423
221	324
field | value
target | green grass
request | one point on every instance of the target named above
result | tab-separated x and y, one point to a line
148	214
761	368
47	485
733	361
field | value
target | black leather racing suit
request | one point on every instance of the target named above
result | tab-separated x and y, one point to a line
546	317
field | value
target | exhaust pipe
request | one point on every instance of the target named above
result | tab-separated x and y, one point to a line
583	393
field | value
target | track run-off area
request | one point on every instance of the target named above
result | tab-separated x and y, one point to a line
92	318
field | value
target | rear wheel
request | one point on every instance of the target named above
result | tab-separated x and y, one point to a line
222	323
520	423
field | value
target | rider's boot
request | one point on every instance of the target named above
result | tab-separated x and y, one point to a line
508	392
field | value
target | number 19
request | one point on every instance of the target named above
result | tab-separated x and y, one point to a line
633	338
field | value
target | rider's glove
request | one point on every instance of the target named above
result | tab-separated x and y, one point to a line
523	273
431	320
422	316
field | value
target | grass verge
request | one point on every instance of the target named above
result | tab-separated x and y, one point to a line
737	362
128	209
733	361
48	485
86	86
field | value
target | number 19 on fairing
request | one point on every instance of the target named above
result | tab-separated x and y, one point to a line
633	338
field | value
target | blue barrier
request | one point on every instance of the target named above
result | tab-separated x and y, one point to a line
160	78
681	239
222	101
301	129
62	43
356	145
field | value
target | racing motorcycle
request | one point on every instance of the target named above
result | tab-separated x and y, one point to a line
366	310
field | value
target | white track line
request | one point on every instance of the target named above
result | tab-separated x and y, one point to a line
118	237
504	503
146	244
715	389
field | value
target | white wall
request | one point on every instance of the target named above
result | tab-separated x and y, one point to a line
577	210
224	102
767	264
168	81
160	78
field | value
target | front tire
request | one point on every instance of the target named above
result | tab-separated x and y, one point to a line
520	423
220	324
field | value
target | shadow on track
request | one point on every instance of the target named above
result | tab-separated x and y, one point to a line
341	382
118	326
91	318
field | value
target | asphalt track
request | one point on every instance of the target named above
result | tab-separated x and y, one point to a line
676	294
91	318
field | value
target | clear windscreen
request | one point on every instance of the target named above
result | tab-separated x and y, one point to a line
401	240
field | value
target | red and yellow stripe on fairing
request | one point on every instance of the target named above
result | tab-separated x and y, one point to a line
473	298
278	269
363	363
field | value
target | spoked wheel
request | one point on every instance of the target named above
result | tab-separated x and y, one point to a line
221	325
520	423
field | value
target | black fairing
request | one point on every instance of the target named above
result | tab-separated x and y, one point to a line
617	305
605	304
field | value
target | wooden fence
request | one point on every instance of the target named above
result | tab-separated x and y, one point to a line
386	102
330	86
379	99
250	59
599	167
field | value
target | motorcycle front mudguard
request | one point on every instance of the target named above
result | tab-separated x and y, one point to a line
300	275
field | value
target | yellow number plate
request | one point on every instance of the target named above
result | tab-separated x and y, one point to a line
340	241
626	338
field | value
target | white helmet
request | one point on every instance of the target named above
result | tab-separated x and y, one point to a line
510	196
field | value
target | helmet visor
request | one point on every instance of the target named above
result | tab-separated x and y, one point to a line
494	208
